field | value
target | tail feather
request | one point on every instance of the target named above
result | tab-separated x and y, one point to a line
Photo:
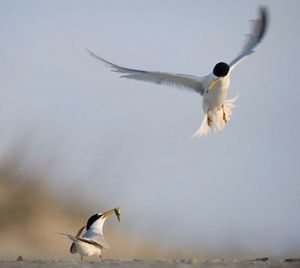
203	130
217	119
229	106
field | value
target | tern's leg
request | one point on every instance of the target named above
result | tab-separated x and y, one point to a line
81	257
100	257
209	120
224	115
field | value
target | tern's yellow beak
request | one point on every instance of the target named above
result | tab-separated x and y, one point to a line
212	84
109	212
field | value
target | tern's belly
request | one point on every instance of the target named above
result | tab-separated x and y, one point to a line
215	98
86	249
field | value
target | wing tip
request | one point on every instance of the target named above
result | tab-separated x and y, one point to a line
264	11
91	53
264	18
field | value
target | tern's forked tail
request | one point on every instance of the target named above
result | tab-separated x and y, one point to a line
214	120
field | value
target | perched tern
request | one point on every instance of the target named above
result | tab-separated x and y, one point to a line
212	87
92	241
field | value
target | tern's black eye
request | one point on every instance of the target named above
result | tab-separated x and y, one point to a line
221	69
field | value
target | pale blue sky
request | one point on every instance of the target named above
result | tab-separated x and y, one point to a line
130	141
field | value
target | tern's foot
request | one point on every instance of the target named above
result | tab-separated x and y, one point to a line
225	118
209	121
224	115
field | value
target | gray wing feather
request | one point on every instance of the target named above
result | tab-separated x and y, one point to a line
161	78
73	248
101	241
96	237
88	237
92	238
254	38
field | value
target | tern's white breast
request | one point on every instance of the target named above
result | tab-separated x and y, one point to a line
85	249
215	98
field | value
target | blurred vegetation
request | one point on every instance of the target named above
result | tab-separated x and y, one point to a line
31	210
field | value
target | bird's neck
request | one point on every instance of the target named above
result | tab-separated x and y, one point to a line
224	82
97	227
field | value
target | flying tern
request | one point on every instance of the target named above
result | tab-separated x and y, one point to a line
212	87
92	241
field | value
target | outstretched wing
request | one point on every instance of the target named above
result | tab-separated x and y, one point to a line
161	78
96	238
91	242
254	38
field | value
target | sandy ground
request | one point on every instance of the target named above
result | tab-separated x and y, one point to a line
185	263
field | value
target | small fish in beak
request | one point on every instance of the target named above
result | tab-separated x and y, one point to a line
118	213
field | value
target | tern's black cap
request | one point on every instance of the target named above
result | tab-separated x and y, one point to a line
221	69
92	219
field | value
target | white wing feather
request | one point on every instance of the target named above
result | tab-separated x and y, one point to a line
254	38
177	80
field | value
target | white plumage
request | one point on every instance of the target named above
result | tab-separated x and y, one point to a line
92	241
212	87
